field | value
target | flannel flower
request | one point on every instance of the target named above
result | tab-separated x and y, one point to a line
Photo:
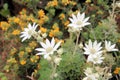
94	52
109	47
90	75
28	32
78	22
48	48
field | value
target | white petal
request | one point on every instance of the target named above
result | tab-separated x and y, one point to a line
43	45
57	45
52	42
40	49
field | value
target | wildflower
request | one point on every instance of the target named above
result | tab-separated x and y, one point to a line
16	20
16	32
92	48
48	48
96	59
62	16
28	32
28	49
109	47
4	25
90	75
22	62
33	44
78	22
21	53
43	30
117	71
65	2
41	13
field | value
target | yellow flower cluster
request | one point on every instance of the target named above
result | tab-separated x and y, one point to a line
16	32
54	31
65	2
117	71
53	3
62	16
13	51
33	44
34	59
43	30
23	62
4	25
41	13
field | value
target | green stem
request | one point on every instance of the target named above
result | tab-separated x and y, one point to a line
76	43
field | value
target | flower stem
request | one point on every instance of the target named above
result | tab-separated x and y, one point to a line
76	43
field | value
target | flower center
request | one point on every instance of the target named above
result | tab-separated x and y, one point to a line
79	22
93	51
49	49
30	32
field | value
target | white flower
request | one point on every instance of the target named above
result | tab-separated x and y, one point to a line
28	32
48	48
96	58
78	22
90	75
92	48
109	47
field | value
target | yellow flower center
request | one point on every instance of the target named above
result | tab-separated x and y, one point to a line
49	49
93	51
79	22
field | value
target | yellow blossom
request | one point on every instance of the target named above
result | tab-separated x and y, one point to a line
72	3
23	11
21	53
41	13
22	62
4	25
16	32
62	16
57	40
65	2
33	44
54	3
16	20
28	49
117	71
13	51
66	23
43	30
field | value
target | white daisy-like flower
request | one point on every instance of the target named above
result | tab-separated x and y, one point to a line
28	32
109	47
48	48
92	48
90	75
78	22
95	59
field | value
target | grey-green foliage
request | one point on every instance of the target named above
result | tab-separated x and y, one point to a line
71	67
5	11
106	30
45	71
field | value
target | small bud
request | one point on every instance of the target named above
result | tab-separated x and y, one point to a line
80	45
49	58
57	60
60	51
